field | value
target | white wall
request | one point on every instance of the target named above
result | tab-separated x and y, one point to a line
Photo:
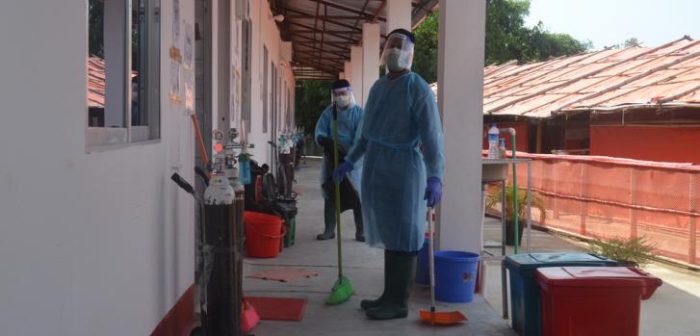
265	32
90	244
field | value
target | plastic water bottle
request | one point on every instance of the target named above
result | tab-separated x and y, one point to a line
493	142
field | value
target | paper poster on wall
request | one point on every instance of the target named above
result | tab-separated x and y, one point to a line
189	93
188	48
234	96
237	38
175	54
174	82
176	21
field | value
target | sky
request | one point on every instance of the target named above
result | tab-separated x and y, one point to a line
609	22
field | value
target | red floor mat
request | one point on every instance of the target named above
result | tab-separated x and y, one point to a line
281	309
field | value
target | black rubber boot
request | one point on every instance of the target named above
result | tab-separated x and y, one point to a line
400	283
329	221
369	304
359	227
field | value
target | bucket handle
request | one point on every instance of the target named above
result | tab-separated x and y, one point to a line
284	232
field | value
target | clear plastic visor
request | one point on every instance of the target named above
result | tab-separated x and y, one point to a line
343	97
398	42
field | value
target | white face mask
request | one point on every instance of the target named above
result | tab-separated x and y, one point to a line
343	101
395	59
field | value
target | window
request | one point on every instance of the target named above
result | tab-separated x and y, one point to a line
123	72
246	82
265	95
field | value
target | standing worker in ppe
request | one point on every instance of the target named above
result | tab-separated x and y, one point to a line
349	119
402	144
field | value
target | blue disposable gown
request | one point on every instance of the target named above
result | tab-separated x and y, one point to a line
401	141
349	121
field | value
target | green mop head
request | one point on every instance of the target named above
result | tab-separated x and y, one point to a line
341	292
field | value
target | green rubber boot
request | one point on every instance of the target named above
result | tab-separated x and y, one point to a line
400	283
368	304
328	221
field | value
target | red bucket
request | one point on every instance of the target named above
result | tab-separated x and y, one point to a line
264	234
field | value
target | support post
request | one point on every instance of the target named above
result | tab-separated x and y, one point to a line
370	57
356	79
460	79
398	15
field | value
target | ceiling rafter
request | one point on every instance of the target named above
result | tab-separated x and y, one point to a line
338	45
367	16
317	65
339	35
310	45
318	8
354	28
310	48
311	52
326	17
314	53
379	9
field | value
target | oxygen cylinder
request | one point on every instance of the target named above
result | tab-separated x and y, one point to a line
222	291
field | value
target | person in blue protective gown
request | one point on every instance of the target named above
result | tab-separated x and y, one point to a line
401	141
349	119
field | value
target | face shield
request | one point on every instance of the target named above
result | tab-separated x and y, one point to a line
343	97
398	53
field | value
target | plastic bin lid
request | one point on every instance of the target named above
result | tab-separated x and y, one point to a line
552	259
580	276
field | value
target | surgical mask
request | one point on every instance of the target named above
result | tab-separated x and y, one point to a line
343	101
396	60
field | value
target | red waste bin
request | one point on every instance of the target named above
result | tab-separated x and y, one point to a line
598	301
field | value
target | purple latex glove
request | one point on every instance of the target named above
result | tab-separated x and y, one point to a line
342	170
433	191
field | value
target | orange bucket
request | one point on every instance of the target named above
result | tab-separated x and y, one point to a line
264	234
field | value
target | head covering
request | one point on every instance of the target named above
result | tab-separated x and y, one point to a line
341	94
405	33
341	83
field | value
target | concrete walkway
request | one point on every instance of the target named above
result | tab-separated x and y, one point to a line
364	267
671	311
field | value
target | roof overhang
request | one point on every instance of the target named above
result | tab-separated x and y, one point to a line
322	31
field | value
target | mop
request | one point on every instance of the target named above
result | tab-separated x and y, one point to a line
431	316
342	290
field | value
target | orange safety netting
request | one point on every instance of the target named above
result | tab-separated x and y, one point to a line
605	197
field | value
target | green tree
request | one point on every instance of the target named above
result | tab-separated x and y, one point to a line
506	35
507	39
543	44
632	42
96	28
426	49
312	97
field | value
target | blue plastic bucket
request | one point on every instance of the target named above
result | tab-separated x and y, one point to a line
455	276
423	269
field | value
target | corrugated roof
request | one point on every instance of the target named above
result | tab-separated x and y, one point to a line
636	77
322	31
96	82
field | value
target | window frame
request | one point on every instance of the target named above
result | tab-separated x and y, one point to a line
101	138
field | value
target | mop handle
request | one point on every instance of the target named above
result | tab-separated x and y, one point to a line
431	261
337	190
